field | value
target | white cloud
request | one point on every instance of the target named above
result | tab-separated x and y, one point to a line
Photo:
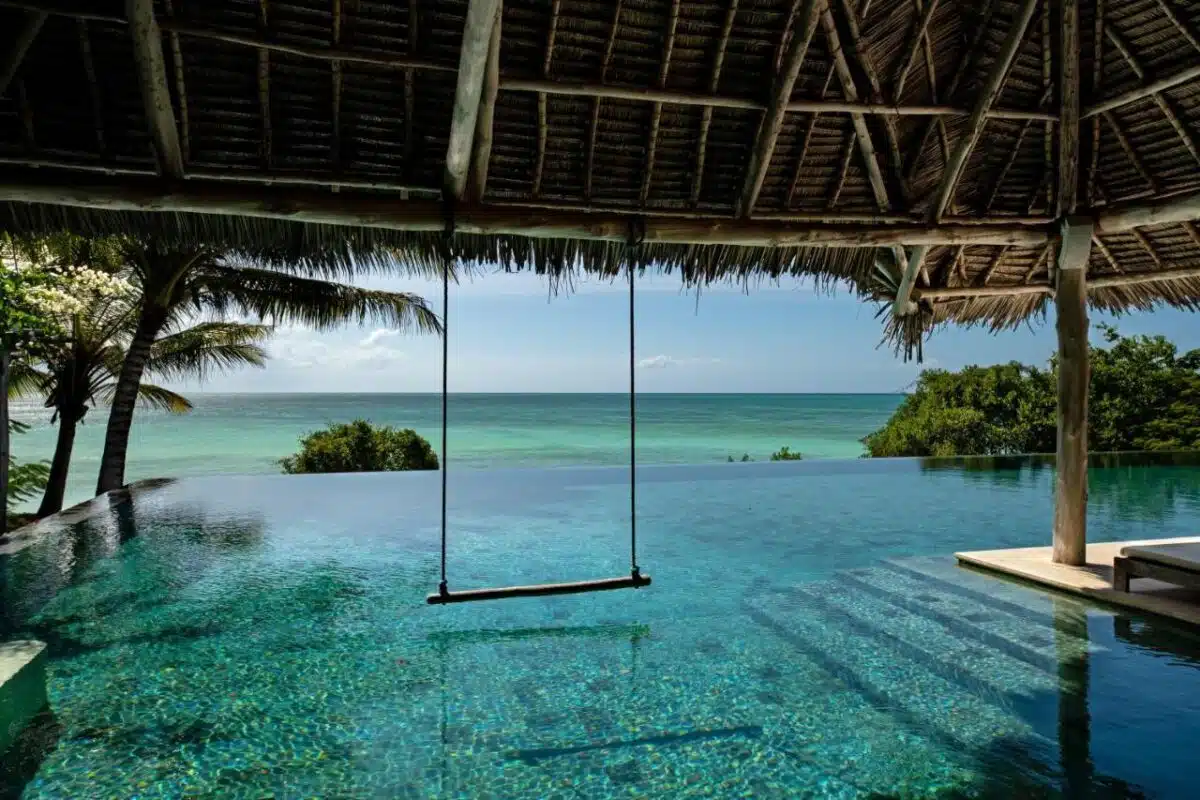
664	361
301	348
378	335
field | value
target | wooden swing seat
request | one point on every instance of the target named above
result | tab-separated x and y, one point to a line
539	590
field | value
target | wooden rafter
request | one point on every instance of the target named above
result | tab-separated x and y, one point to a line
1192	232
152	79
714	84
992	266
1093	147
335	142
1012	158
26	113
1099	282
861	132
1165	105
902	304
410	89
181	96
917	41
595	123
772	121
656	114
1180	24
1130	151
1148	247
960	72
472	64
264	90
863	61
1048	165
1181	208
988	93
30	27
843	170
1068	107
543	126
89	69
1099	244
1037	264
1186	75
482	157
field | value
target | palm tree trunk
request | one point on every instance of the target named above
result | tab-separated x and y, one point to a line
56	488
4	363
120	418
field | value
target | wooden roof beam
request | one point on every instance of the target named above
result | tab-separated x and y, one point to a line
1164	104
902	304
410	87
1180	24
656	114
1108	281
372	210
185	130
1158	86
772	120
264	90
543	126
152	78
89	68
335	141
16	54
960	72
594	128
1183	208
861	131
988	93
482	157
714	84
472	64
863	61
1068	111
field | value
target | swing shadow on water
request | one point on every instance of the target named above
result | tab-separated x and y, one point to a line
806	636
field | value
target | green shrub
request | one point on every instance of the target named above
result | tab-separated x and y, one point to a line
786	454
359	446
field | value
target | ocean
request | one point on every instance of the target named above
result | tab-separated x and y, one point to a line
249	433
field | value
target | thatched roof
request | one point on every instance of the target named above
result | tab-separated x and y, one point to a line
844	138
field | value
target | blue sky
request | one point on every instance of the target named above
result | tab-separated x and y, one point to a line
508	335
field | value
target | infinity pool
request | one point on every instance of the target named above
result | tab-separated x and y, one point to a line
806	635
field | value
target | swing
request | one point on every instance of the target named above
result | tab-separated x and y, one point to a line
635	579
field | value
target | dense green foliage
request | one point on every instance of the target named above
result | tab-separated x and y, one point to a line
785	453
359	446
1144	396
25	480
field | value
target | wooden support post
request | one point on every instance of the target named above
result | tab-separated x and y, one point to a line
472	63
902	304
1070	301
1068	109
156	96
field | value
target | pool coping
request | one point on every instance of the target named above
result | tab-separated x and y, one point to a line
27	535
1093	580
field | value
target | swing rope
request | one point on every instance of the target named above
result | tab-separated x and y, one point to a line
636	579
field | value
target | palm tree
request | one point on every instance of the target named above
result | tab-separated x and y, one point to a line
177	282
83	372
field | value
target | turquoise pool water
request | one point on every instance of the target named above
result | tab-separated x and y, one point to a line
805	636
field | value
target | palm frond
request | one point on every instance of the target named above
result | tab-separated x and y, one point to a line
25	379
209	347
151	396
281	298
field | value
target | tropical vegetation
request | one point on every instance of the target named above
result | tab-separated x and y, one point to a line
359	446
1144	395
174	284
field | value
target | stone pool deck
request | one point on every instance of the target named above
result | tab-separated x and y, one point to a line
22	687
1093	580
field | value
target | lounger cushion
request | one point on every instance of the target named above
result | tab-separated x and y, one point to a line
1180	556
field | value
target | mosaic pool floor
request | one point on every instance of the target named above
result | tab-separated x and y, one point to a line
806	636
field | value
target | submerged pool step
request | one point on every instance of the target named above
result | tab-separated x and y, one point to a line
886	673
990	672
1038	644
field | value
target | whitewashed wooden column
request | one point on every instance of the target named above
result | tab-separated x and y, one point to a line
1070	302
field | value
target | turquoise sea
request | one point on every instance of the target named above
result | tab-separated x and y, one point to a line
249	433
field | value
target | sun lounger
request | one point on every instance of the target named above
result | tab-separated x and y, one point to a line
1171	563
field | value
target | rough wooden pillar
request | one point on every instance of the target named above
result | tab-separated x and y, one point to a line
1070	300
